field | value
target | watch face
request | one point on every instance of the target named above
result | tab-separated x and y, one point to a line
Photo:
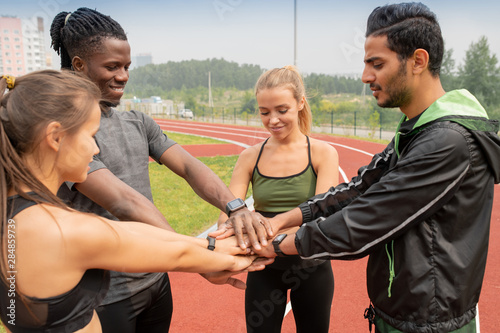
280	238
234	204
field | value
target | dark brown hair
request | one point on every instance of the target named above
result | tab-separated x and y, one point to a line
36	100
409	26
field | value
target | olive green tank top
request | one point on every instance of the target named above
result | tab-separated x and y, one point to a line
273	195
281	194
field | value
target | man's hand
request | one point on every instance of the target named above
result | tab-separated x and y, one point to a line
287	246
226	277
257	227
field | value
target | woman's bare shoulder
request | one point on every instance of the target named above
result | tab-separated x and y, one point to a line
250	154
322	147
45	217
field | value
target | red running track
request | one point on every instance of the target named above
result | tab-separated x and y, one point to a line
200	306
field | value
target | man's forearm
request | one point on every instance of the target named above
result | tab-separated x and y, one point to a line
208	186
144	211
121	200
288	245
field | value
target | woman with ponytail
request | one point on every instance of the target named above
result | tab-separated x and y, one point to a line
285	170
55	260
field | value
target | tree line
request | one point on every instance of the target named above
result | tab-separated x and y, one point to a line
159	79
188	80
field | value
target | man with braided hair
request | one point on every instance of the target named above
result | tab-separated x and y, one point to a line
118	185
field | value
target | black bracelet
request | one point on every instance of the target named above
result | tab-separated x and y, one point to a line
211	243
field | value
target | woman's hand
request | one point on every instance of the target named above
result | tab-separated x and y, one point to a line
226	277
230	246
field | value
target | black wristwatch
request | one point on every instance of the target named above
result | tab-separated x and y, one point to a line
276	244
234	205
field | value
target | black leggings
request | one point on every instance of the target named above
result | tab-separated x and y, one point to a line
149	311
311	296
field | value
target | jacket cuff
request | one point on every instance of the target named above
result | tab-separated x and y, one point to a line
306	212
303	238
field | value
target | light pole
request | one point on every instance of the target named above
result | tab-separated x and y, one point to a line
295	34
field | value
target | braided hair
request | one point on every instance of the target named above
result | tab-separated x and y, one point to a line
81	33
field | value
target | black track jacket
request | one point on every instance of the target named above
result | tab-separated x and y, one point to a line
421	210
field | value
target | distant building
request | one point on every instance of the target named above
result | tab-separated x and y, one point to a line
22	45
142	59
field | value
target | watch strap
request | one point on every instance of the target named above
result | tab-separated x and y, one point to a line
276	244
211	243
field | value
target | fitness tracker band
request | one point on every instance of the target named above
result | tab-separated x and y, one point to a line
276	244
211	243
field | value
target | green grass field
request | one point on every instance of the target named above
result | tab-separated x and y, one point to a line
187	213
186	139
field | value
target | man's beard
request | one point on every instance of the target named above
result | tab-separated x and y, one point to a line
397	90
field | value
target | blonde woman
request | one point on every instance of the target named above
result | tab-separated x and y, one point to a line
285	170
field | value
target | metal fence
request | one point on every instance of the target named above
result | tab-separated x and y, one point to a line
353	124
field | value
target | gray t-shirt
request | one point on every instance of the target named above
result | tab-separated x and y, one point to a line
126	141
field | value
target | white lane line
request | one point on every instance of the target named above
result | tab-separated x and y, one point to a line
218	132
211	137
254	136
350	148
222	127
288	308
478	329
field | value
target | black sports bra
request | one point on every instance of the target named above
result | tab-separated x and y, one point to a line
68	312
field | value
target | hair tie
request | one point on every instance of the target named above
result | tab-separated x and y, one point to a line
10	81
66	19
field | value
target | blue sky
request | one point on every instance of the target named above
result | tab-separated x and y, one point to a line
329	37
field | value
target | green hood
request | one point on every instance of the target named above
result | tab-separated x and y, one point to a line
454	106
461	107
